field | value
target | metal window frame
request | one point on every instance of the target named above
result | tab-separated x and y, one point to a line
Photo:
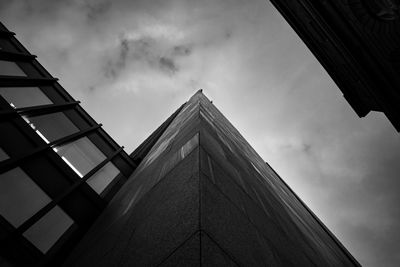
38	110
88	127
16	56
15	161
43	211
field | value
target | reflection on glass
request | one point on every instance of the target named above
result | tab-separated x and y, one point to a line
157	150
45	232
189	146
133	199
210	166
261	202
3	155
81	155
10	68
20	197
20	97
103	177
179	155
52	126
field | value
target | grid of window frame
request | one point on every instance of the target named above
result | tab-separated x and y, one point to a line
76	188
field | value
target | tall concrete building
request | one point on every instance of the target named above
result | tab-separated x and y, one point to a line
193	193
203	197
358	43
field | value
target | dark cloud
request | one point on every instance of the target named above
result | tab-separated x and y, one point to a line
306	148
95	10
168	65
111	69
147	51
228	34
182	50
115	65
124	49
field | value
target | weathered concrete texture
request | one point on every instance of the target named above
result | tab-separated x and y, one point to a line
231	230
212	254
203	197
227	206
259	211
187	254
144	235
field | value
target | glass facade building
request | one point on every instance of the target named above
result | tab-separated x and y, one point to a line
58	168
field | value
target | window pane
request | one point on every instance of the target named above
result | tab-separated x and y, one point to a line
45	232
10	68
3	155
81	155
20	197
103	177
20	97
52	126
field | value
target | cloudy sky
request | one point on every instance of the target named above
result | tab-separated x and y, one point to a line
132	63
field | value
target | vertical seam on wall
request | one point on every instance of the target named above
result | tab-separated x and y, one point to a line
199	175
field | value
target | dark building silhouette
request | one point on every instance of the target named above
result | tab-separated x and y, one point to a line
193	193
358	43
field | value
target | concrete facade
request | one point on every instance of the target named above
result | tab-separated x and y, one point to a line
203	197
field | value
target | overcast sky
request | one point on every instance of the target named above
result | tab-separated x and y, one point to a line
132	63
